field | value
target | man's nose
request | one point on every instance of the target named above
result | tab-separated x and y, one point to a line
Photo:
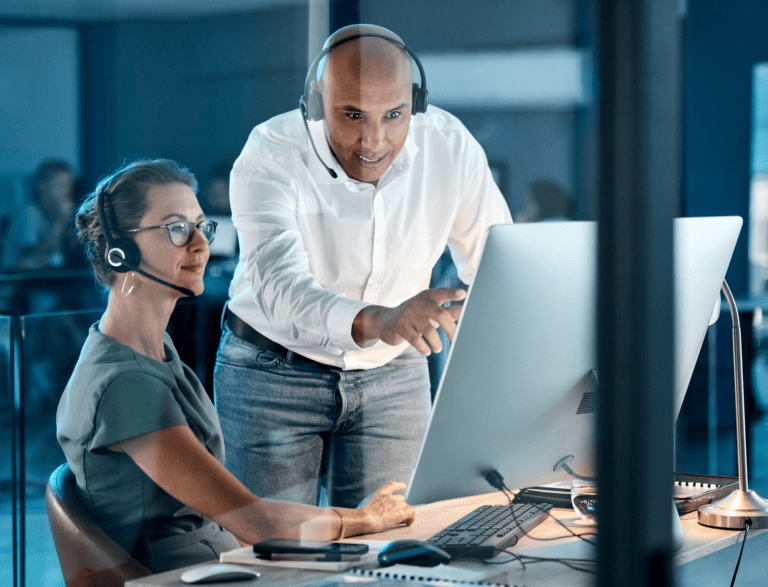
373	135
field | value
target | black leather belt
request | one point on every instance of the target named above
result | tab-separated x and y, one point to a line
249	334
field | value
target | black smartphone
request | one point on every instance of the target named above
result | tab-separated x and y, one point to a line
332	550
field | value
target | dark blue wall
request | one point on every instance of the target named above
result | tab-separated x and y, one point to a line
192	89
723	41
451	25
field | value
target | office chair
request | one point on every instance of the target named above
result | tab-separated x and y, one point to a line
87	556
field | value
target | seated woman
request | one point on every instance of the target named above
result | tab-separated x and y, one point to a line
138	430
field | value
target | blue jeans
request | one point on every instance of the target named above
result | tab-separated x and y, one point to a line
301	431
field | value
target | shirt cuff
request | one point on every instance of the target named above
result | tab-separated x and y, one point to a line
340	319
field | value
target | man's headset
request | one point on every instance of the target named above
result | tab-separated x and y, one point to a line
311	102
123	254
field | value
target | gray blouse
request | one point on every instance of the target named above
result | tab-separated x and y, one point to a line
114	394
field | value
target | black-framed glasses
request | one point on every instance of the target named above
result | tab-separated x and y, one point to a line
181	232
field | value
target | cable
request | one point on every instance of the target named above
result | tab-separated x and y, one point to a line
524	559
571	563
495	480
581	536
515	557
747	524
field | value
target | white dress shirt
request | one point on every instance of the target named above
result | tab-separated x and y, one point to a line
314	250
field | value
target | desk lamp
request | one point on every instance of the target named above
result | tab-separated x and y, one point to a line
742	504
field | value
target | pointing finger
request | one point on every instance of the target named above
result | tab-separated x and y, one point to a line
448	294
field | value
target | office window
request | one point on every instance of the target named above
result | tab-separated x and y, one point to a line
758	202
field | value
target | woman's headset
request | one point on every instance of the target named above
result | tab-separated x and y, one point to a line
123	254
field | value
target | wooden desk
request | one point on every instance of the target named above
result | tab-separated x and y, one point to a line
699	541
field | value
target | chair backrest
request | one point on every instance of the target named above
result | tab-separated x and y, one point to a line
88	557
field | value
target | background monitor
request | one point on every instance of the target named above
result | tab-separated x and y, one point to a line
519	390
224	246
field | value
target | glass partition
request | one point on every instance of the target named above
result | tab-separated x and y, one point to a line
6	455
34	374
49	346
517	75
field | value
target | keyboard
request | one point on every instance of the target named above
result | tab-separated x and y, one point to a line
482	533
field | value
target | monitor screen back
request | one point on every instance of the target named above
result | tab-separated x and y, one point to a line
519	390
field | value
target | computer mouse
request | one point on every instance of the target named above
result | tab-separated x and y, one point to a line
218	572
412	552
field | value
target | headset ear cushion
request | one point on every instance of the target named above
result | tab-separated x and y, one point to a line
420	100
314	105
123	255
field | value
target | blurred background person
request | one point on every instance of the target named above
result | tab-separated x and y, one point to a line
41	234
546	199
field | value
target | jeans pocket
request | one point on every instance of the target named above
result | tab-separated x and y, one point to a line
233	350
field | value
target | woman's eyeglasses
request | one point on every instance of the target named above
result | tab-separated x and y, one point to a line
181	232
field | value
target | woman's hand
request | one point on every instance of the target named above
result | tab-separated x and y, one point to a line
383	509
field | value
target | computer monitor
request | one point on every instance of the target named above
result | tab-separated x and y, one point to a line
224	246
518	393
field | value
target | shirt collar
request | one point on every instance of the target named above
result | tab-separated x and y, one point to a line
405	157
399	166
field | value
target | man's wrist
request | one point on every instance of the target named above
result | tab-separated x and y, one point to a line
366	325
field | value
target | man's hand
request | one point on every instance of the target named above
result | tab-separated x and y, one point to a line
415	320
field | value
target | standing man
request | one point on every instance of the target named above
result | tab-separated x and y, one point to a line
342	209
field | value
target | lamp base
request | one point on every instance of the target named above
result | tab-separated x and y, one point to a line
733	511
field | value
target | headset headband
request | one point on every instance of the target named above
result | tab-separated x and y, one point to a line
308	102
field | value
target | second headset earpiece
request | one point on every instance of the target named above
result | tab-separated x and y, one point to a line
312	105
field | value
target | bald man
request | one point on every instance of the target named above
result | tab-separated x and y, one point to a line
342	209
